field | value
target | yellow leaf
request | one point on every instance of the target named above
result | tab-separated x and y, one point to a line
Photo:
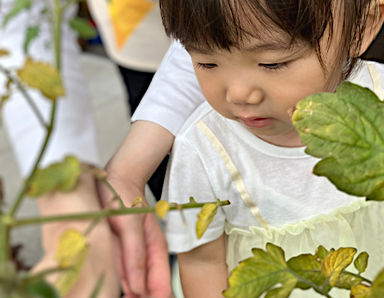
4	52
206	215
360	291
138	201
71	253
162	208
336	262
42	76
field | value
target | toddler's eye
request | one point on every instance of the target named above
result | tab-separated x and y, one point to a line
273	66
206	65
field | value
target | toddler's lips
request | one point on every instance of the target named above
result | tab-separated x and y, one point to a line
256	122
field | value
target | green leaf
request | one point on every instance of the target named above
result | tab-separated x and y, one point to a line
42	289
31	34
321	252
83	27
205	217
260	273
308	268
61	176
377	290
18	6
346	130
348	280
42	76
361	262
336	262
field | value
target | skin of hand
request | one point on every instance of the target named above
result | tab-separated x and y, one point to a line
144	267
102	242
210	259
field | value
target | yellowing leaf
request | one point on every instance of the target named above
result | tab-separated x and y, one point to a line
345	130
206	215
61	176
42	76
360	291
162	208
137	202
336	262
260	273
4	52
71	253
377	290
361	262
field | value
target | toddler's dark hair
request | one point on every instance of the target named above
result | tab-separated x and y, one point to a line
222	24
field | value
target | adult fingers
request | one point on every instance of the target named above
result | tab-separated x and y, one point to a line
159	274
131	233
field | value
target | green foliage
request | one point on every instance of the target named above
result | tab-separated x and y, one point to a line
31	34
18	6
83	28
42	289
15	284
60	176
267	272
361	262
346	130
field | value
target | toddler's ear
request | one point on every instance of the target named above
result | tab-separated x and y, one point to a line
374	24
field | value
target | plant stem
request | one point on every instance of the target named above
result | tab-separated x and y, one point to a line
26	95
25	187
56	19
101	213
4	246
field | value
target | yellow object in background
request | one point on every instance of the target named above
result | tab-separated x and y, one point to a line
126	15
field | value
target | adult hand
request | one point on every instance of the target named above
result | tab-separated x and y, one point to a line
102	242
145	265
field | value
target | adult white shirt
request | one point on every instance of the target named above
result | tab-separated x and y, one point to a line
74	131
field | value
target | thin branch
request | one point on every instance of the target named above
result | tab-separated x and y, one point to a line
25	187
101	213
26	95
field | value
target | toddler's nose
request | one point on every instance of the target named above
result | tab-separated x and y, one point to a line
243	94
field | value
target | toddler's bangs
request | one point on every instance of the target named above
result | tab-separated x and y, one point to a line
222	24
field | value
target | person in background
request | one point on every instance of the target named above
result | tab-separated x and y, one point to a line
74	133
134	38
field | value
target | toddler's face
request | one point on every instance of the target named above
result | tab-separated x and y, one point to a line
257	84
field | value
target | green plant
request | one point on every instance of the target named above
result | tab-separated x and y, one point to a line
345	130
63	176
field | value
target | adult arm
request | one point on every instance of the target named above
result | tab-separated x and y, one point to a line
172	96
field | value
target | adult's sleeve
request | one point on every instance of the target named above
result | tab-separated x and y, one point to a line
186	177
174	92
74	130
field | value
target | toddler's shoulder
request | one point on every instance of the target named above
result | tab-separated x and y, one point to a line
370	75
